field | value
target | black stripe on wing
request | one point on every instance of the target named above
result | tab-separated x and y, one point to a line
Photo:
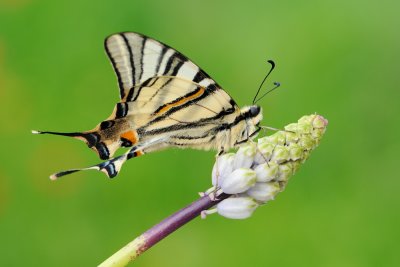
122	93
116	70
141	57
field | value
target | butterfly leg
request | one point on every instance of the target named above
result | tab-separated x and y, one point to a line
274	129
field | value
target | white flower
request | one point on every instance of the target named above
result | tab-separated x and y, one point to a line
223	167
245	156
239	181
266	172
237	207
264	191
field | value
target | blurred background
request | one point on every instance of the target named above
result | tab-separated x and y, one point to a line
336	58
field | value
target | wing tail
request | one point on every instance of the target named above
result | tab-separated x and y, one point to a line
112	166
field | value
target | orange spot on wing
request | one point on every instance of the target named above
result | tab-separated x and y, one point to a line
181	101
131	136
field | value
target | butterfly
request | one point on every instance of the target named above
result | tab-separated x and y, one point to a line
165	101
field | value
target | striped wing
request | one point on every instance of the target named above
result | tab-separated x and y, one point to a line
136	58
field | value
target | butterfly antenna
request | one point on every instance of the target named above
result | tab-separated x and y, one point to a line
265	78
91	139
277	84
57	133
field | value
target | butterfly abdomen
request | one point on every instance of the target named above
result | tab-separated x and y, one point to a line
113	134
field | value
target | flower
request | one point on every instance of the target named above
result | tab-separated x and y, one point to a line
237	208
259	171
240	180
222	168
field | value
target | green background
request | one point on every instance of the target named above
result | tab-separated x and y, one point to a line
339	59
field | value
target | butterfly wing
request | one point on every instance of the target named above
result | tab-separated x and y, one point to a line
136	58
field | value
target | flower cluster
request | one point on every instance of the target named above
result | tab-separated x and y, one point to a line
259	171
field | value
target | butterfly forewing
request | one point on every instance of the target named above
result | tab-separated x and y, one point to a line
137	58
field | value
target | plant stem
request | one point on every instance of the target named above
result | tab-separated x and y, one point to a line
159	231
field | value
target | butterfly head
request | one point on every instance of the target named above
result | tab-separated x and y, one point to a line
252	116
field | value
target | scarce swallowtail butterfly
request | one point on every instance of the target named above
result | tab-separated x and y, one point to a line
166	101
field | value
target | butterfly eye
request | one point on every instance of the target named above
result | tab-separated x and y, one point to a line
106	124
254	111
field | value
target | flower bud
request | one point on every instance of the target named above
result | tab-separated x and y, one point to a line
317	133
307	142
239	181
237	207
295	151
291	127
285	171
304	128
279	138
306	154
319	122
223	167
307	119
280	154
291	138
264	151
264	191
294	165
245	156
266	172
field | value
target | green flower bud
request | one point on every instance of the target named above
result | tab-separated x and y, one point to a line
295	151
264	151
278	138
291	138
319	122
307	119
281	154
284	173
295	165
307	142
291	127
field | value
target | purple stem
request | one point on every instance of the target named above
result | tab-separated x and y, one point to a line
178	219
